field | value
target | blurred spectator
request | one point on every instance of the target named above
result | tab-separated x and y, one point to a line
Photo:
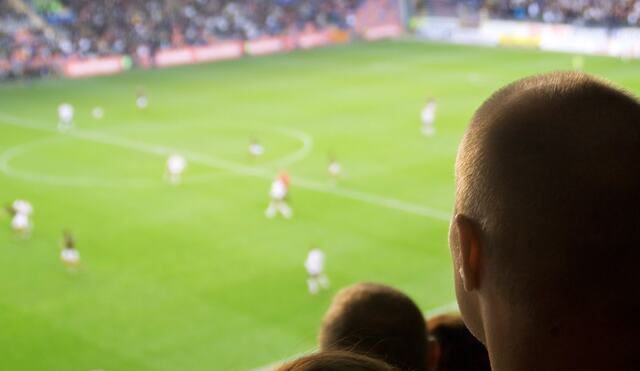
78	28
456	349
117	26
378	321
607	13
24	48
336	361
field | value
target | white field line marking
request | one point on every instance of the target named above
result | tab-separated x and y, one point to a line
18	150
94	182
284	162
447	308
240	169
299	155
79	181
374	199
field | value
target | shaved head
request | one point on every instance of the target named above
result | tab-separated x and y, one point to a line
548	204
550	169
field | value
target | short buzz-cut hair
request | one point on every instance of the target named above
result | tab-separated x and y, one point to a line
378	321
549	170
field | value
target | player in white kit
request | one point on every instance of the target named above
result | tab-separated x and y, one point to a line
315	269
141	99
70	256
334	168
175	167
255	148
428	116
65	117
21	225
20	212
22	207
279	191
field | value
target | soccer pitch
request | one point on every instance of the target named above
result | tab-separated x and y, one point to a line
194	277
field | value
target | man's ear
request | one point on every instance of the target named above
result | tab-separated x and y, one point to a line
470	252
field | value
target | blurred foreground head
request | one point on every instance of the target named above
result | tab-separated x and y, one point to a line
546	233
336	361
378	321
456	348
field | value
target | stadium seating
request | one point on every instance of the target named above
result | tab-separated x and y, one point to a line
115	27
590	12
36	36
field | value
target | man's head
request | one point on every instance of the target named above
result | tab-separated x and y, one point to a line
336	361
547	213
378	321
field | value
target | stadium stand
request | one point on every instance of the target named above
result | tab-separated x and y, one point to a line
578	12
26	44
38	36
76	29
105	27
376	12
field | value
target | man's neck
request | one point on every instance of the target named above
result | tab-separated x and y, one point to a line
528	345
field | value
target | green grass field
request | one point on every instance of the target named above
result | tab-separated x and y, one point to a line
195	277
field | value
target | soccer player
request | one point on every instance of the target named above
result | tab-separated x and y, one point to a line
21	224
175	167
315	269
20	212
70	256
255	148
65	117
279	191
428	116
334	168
141	99
22	207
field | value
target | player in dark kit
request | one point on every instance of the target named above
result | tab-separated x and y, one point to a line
69	255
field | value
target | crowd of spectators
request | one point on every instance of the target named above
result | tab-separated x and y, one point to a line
382	323
608	13
582	12
24	48
78	28
117	26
